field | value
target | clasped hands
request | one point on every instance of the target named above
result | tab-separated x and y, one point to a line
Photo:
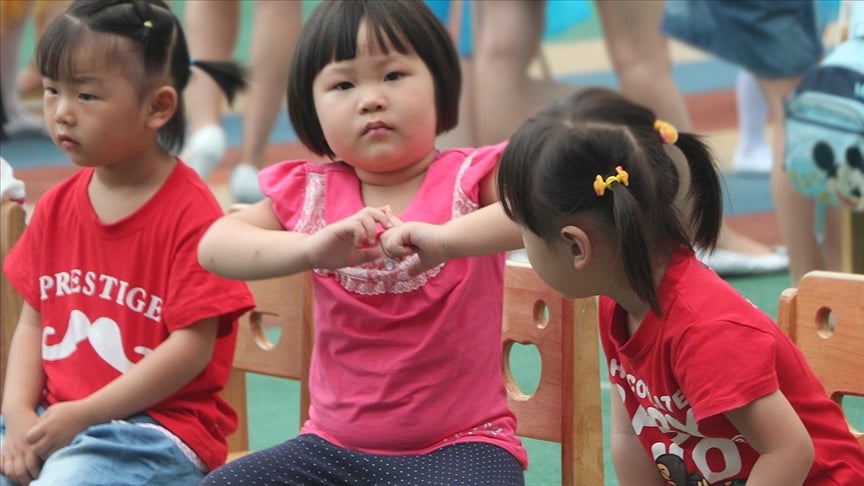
375	232
30	438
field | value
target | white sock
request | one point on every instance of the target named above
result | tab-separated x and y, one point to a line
753	153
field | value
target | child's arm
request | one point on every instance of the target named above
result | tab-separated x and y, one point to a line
633	466
482	232
252	244
173	364
25	381
774	430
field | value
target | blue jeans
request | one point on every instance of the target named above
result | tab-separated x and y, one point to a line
115	454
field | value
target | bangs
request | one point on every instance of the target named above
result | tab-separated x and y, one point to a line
339	38
59	48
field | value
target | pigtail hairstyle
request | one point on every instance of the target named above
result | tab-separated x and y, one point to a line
156	35
705	192
547	174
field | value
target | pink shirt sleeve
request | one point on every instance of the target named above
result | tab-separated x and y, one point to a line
483	164
285	184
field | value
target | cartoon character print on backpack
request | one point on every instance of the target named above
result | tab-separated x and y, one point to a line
845	179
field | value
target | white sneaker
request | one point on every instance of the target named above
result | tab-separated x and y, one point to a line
730	264
755	161
244	184
205	149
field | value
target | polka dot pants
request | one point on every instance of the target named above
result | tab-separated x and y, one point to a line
310	460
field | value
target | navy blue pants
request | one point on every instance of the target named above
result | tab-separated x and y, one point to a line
310	460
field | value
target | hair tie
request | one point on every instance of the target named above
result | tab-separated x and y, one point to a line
148	24
621	177
667	132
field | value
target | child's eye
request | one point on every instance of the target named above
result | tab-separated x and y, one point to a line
49	90
344	85
87	96
393	76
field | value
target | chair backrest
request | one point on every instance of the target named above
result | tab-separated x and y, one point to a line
824	316
283	304
12	222
566	406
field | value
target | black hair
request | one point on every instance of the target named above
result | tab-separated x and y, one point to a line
547	173
156	36
330	34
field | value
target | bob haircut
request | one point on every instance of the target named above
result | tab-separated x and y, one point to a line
330	35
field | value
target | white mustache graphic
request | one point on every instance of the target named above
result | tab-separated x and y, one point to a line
104	335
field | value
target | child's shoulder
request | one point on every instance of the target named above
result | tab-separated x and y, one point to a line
66	188
463	152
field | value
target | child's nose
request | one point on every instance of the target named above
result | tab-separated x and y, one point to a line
63	112
373	100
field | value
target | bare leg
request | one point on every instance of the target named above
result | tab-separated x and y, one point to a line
640	56
211	30
463	134
507	41
276	29
795	213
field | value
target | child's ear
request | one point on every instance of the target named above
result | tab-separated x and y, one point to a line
580	246
161	106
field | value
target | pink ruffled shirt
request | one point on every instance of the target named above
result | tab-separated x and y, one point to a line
401	364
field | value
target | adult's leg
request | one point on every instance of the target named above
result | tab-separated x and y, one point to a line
640	56
211	31
507	40
795	213
276	29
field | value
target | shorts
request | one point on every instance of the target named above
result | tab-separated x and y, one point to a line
116	454
771	39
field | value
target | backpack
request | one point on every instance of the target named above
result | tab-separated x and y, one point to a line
825	130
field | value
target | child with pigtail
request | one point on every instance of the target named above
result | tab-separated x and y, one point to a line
124	341
706	388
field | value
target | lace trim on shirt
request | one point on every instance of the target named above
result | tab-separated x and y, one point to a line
384	275
462	204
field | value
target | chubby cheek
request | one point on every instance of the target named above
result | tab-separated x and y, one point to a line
549	265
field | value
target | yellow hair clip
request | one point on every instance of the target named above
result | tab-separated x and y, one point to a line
148	24
667	132
621	177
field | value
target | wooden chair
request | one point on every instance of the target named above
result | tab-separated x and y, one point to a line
853	243
824	316
566	406
286	303
12	222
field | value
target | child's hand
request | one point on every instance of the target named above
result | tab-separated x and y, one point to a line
57	427
351	241
18	460
424	239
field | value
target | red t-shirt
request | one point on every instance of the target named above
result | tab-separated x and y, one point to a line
108	294
713	352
